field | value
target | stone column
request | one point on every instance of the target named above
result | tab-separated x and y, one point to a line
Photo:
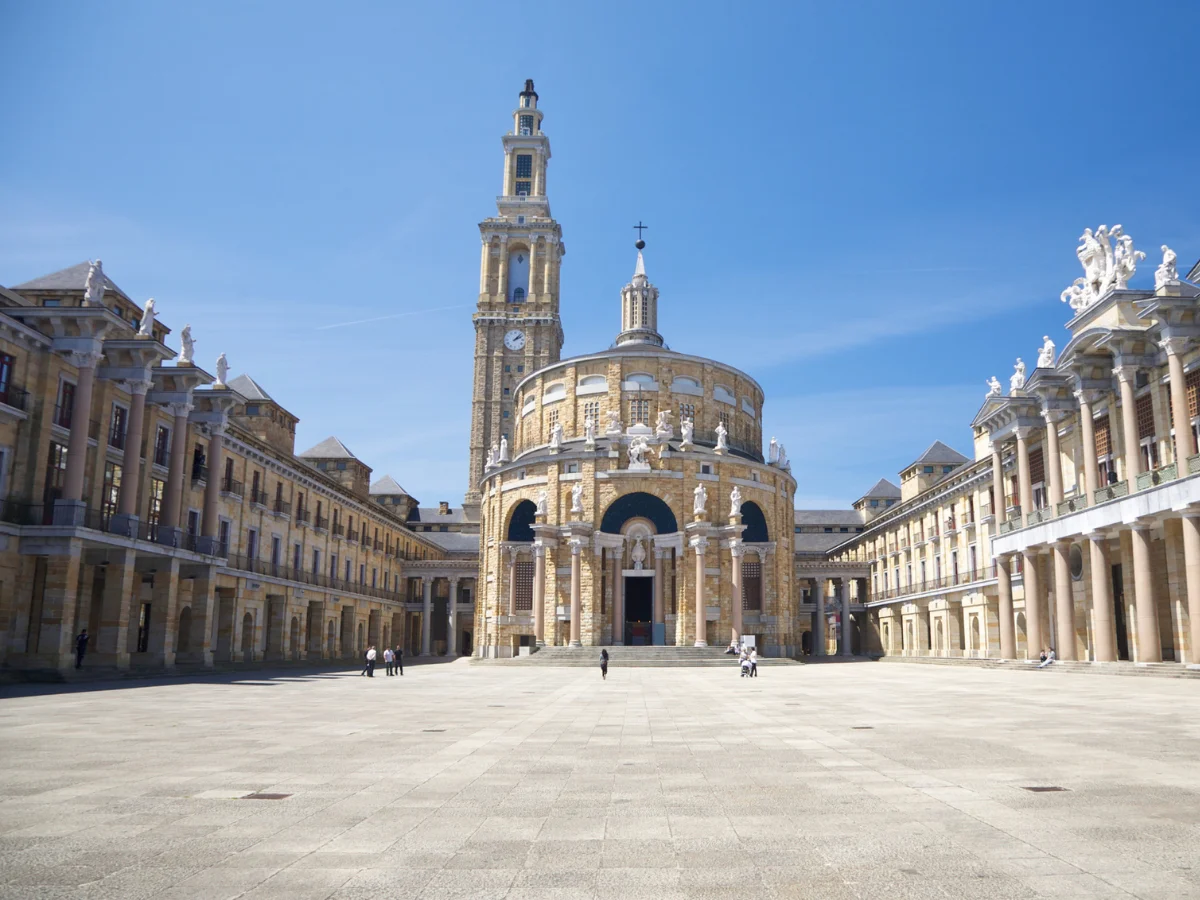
818	642
212	487
576	545
1008	634
485	258
172	501
81	417
1087	436
550	250
512	580
736	552
1064	601
426	615
999	497
164	613
1025	487
659	612
539	594
700	545
1185	445
1149	642
1033	604
1127	378
131	464
1051	460
843	589
452	637
502	282
1191	569
618	598
1102	607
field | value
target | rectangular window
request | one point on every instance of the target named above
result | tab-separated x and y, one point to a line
6	370
524	586
252	544
158	489
687	411
347	570
1145	417
525	162
193	523
374	577
296	557
112	491
591	410
162	445
723	418
523	187
552	418
316	561
276	553
639	412
116	431
333	565
65	405
362	573
223	537
751	586
1103	436
525	124
56	474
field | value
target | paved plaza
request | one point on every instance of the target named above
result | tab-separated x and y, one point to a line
832	781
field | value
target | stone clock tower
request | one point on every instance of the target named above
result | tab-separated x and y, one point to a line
517	325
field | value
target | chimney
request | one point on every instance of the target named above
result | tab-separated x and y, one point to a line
443	507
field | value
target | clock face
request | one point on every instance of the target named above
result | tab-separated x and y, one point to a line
514	340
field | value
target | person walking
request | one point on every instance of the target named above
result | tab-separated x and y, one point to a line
81	643
754	663
388	659
398	656
603	664
371	661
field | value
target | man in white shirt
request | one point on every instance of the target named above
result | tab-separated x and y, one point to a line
371	661
388	659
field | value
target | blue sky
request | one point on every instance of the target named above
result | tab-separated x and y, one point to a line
869	207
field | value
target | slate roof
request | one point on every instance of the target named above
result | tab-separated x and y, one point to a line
429	515
72	278
387	486
828	517
883	490
938	454
330	448
249	388
818	543
454	541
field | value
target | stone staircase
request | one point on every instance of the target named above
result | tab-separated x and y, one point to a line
1143	670
632	657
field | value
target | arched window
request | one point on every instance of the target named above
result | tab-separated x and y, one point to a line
518	295
639	505
554	393
724	394
520	522
755	522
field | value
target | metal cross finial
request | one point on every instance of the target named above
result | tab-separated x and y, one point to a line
639	227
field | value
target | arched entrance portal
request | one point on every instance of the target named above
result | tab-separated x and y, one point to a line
635	571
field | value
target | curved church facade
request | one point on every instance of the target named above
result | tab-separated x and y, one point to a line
623	497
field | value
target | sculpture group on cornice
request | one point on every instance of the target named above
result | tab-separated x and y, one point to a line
1109	261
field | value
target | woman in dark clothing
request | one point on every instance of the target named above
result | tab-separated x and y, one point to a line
604	664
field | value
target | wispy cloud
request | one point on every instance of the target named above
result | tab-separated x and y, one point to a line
415	312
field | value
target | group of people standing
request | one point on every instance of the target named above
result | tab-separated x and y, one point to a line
747	658
393	659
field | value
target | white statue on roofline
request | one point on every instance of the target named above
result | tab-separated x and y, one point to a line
94	287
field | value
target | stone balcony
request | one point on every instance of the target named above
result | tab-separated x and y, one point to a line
1160	493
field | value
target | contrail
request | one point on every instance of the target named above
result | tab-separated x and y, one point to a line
415	312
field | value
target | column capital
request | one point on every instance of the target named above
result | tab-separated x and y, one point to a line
1174	346
577	545
1024	432
136	386
179	408
699	544
661	552
1053	416
1126	373
539	549
1087	396
1100	536
737	550
84	359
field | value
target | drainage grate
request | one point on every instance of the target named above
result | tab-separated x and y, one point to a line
434	730
862	727
496	706
261	796
1044	789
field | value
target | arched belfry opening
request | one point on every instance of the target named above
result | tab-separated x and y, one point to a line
755	522
520	522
